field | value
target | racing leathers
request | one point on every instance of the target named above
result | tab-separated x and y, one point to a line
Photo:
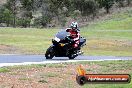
75	36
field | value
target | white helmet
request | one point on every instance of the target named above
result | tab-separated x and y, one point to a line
74	25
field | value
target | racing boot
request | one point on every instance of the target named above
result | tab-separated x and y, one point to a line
78	51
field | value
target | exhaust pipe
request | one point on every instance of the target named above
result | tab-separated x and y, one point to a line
79	53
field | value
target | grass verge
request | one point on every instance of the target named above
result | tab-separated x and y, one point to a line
111	36
4	70
64	77
33	41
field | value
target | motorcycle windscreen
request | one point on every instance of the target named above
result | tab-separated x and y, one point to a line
62	34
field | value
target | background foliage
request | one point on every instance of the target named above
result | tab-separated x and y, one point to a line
44	13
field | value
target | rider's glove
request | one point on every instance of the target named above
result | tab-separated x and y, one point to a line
69	39
72	41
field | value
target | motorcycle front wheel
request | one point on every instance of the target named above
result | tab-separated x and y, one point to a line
49	53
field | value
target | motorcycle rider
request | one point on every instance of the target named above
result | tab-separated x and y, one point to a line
74	35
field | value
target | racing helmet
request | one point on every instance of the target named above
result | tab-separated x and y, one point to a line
74	26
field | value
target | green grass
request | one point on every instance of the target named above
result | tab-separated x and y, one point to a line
112	36
103	67
109	66
33	41
26	66
95	67
50	74
118	21
108	86
107	34
27	40
39	66
4	70
25	79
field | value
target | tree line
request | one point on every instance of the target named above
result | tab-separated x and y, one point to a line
40	13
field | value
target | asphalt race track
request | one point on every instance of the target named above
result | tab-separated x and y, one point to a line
9	60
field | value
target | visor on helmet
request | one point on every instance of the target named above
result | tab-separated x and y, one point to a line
74	25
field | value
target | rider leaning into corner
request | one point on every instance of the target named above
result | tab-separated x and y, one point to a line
74	34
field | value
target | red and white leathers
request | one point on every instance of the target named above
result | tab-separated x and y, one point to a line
75	35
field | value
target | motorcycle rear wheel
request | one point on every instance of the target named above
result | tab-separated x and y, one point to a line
71	57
